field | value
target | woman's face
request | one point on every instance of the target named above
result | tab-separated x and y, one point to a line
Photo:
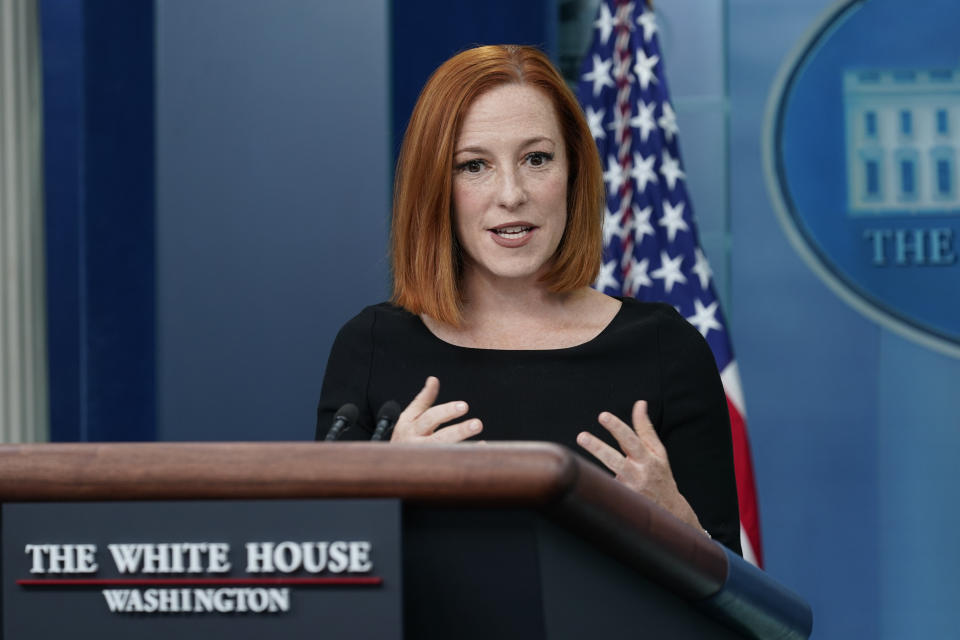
509	184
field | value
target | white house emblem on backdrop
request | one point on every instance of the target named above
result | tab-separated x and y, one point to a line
861	153
903	131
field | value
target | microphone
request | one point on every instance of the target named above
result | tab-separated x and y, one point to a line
386	418
346	416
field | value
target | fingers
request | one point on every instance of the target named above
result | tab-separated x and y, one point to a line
644	428
626	437
638	443
610	457
421	417
643	466
458	432
419	420
433	417
422	401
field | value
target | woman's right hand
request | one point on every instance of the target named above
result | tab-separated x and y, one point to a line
419	421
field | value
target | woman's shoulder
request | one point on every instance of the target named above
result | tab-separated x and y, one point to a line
377	318
634	313
655	323
641	307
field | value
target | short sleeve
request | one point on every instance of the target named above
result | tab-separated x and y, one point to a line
347	376
696	428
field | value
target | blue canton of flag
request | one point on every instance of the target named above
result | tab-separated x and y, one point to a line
651	250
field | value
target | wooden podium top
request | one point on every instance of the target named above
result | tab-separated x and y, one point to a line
538	475
546	477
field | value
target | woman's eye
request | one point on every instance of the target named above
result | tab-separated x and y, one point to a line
471	166
539	158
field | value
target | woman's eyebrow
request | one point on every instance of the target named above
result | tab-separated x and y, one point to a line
525	143
470	150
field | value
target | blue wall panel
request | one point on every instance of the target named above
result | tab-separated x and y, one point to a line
273	174
99	155
919	489
427	32
63	111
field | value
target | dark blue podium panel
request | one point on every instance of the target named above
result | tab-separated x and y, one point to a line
198	569
483	574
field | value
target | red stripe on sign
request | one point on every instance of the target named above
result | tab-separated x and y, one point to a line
183	582
746	487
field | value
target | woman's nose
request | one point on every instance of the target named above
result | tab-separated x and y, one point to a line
512	192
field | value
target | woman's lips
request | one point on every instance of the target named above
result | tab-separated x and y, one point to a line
512	235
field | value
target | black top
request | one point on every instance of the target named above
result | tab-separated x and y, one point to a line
647	352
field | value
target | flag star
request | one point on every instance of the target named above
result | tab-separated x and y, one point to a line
613	175
673	219
670	169
644	120
605	23
669	271
599	75
644	69
704	318
668	122
637	277
611	226
595	120
642	171
649	24
641	223
702	269
605	278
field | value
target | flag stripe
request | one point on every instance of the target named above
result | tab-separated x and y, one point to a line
746	491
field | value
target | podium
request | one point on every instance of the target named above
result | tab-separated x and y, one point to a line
505	540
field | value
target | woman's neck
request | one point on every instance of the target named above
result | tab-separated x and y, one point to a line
500	314
486	298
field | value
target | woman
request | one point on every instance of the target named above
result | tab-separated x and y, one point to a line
496	238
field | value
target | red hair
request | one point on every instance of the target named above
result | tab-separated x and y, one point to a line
424	254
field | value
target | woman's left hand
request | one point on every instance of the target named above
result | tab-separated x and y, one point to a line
642	463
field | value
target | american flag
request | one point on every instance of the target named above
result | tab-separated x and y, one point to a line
651	249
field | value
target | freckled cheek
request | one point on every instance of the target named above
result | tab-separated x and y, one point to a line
553	190
551	178
468	206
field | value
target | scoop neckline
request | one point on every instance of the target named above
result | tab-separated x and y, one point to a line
606	329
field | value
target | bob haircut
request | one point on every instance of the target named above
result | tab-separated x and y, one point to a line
426	259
